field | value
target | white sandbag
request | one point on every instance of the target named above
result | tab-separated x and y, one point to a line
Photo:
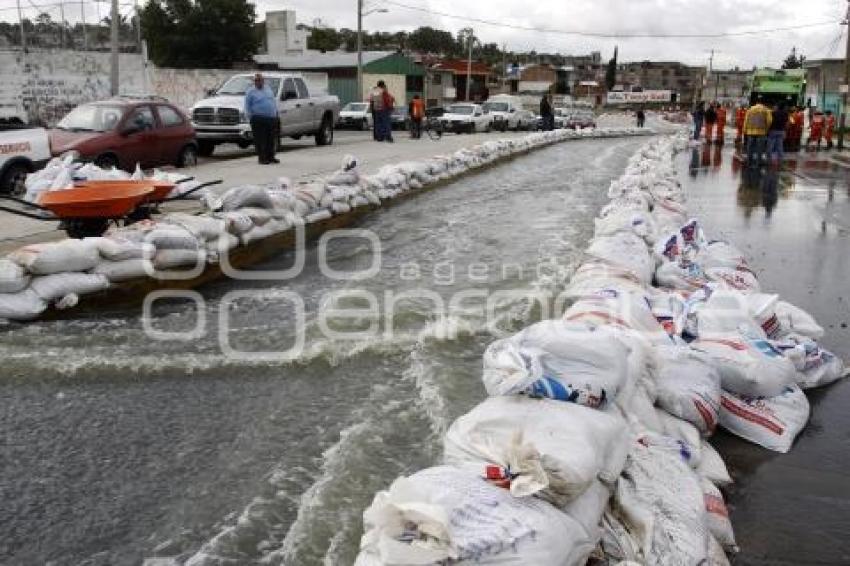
796	320
721	254
24	305
619	545
123	270
246	196
625	250
444	514
258	216
564	446
711	465
748	363
561	360
204	227
166	237
114	247
661	501
623	310
633	221
236	222
772	422
56	257
815	366
173	258
13	278
685	434
592	276
688	387
318	216
716	554
340	207
737	278
717	516
53	287
587	508
682	275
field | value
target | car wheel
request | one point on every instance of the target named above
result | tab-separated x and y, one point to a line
206	148
12	182
364	124
107	161
296	137
325	135
188	156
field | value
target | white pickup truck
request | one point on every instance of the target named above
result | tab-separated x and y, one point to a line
221	118
22	150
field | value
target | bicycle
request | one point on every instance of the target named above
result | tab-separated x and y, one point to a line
434	128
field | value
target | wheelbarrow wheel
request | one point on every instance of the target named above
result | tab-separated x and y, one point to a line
85	227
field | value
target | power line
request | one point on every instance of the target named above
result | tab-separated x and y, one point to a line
609	35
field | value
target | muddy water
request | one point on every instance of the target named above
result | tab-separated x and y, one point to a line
118	447
795	227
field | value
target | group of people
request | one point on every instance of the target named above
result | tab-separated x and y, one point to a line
382	104
713	119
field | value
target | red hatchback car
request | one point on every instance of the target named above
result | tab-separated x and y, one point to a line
122	132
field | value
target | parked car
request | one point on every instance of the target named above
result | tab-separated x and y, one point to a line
400	118
580	119
23	149
221	118
507	113
466	118
122	132
355	115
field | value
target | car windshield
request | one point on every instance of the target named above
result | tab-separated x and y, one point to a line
240	85
355	107
92	118
496	106
460	109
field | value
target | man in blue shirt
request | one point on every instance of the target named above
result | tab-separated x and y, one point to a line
261	110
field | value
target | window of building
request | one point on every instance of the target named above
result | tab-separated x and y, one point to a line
413	83
437	79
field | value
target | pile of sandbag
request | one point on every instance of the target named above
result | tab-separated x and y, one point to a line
599	421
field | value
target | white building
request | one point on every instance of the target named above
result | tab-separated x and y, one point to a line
283	38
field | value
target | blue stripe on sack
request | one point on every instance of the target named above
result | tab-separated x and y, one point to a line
551	389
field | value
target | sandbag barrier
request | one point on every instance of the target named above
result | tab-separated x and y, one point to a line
57	274
592	442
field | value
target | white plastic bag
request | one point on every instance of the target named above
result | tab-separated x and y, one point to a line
688	387
56	257
816	367
444	514
796	320
772	422
625	250
570	444
560	360
623	310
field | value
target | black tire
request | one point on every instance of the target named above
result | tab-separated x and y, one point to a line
296	137
206	148
85	228
325	135
12	181
188	156
107	161
364	125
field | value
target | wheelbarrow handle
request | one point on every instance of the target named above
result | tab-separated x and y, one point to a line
196	189
29	214
184	180
24	202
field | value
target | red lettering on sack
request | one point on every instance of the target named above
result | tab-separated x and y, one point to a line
751	416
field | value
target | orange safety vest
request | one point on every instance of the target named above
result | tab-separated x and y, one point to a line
417	108
740	114
721	116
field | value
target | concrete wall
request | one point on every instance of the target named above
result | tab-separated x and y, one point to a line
396	84
43	85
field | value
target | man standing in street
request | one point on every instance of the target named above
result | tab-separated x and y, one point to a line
756	123
547	114
382	103
698	116
641	118
710	121
776	134
261	110
416	111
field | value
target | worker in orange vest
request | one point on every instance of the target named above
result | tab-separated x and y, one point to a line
816	129
721	123
417	114
830	128
710	122
740	115
799	125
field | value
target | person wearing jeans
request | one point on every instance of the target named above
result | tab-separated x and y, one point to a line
261	110
756	124
776	134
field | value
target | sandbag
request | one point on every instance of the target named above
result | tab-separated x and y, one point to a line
444	514
795	320
594	275
682	275
717	516
625	250
115	247
123	270
772	422
53	287
246	196
561	360
56	257
815	366
13	278
165	237
738	278
203	227
563	447
24	305
748	364
170	259
686	435
660	499
711	465
237	222
623	310
688	387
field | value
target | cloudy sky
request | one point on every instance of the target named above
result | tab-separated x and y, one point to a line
613	16
660	17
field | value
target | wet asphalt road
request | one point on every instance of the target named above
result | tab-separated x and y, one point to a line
795	227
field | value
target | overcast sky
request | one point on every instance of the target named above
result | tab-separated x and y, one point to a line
605	16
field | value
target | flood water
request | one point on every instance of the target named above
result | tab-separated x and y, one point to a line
794	225
117	447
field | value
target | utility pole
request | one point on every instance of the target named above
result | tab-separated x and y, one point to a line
113	71
843	119
61	25
359	49
83	16
470	33
23	31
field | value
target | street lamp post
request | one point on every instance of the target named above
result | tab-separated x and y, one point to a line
469	32
360	15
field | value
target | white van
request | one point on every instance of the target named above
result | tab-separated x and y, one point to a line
507	113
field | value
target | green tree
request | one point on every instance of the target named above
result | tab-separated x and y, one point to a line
199	33
611	72
793	61
429	40
324	39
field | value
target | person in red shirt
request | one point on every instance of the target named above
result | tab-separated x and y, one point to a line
721	124
416	111
740	116
816	129
830	128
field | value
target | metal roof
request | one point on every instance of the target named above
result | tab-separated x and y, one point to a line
319	60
